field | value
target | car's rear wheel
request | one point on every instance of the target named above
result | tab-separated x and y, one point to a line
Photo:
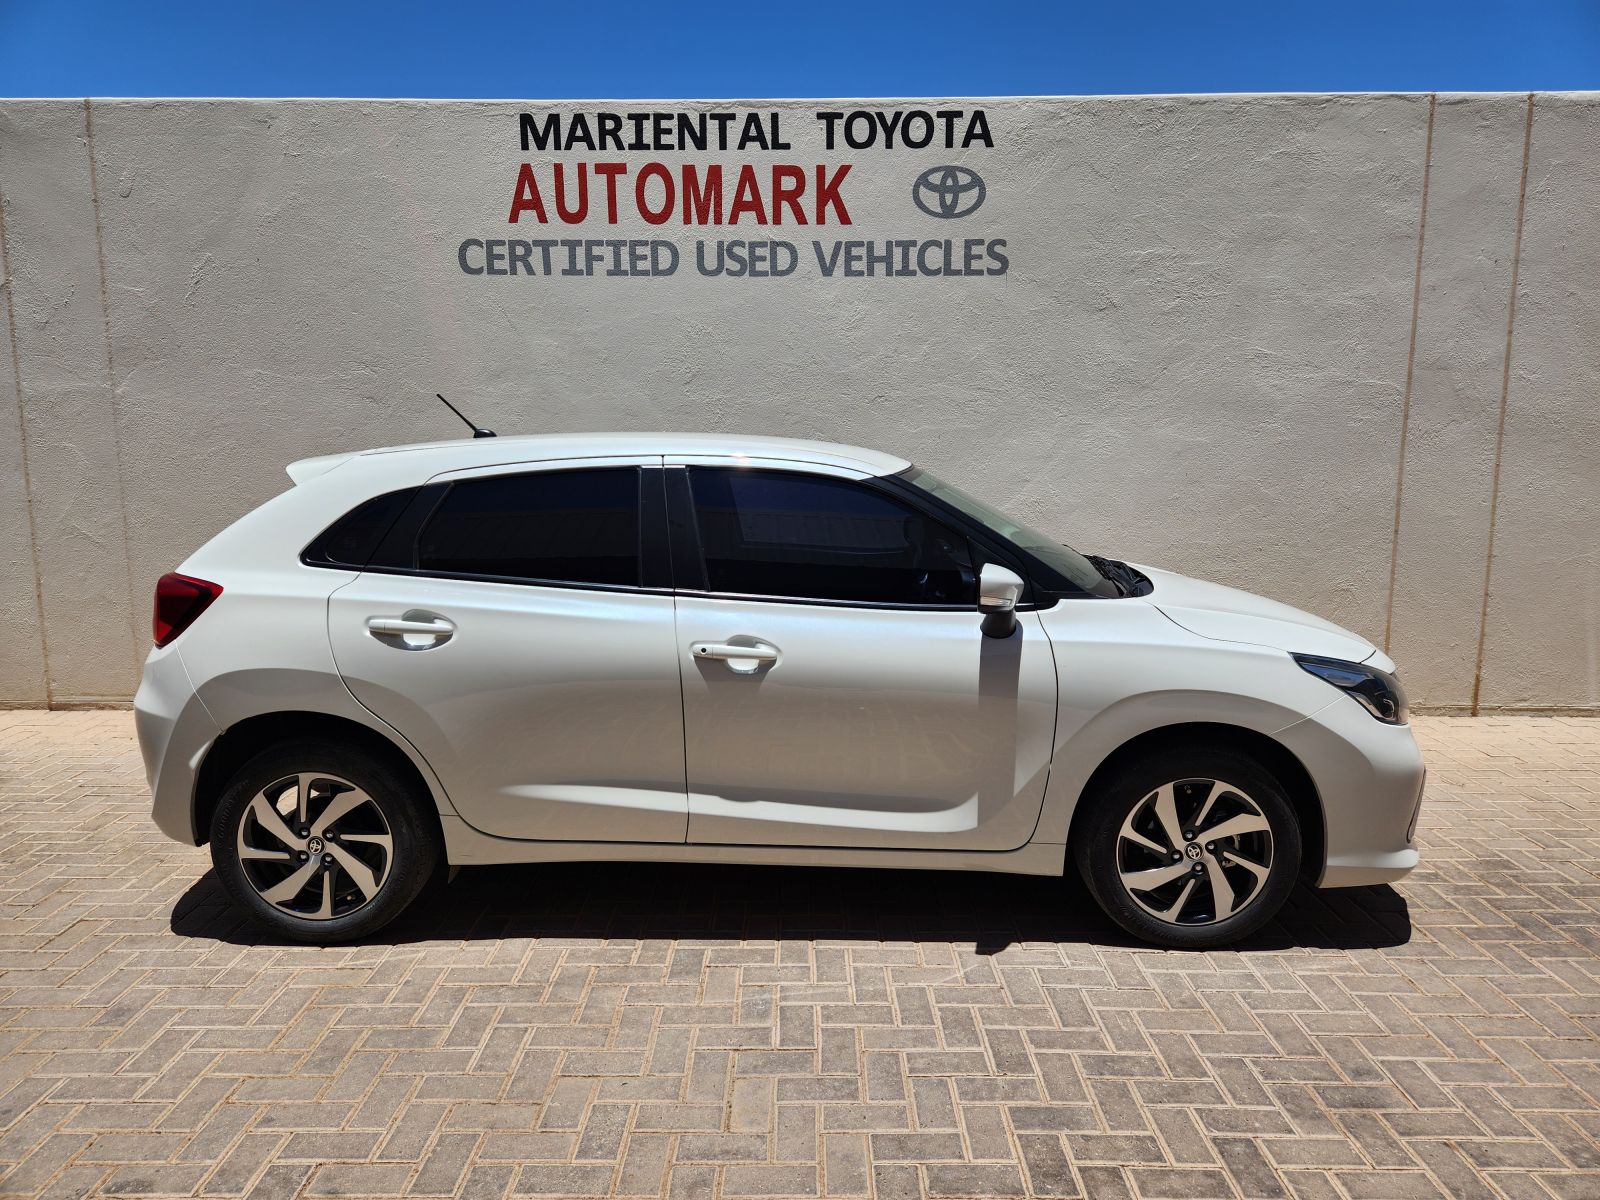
322	843
1190	847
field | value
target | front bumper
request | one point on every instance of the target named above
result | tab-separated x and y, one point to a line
1370	778
175	731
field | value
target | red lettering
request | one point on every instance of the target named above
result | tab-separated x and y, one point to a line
828	195
610	172
747	198
788	185
527	196
702	204
572	215
657	171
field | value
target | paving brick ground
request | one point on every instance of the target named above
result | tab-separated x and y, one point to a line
702	1032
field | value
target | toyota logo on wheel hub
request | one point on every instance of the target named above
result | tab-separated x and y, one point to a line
949	191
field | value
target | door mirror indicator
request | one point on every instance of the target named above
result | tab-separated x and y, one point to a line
999	590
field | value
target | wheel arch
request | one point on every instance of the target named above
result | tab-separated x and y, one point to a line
1272	754
246	738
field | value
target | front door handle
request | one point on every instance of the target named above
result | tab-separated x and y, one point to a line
414	631
742	660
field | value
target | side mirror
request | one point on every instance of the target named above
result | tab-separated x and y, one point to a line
999	589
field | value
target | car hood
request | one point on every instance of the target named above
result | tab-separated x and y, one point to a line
1229	615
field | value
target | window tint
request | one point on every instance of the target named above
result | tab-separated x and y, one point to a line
350	541
561	526
772	533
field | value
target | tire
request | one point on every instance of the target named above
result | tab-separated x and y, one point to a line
1123	833
372	857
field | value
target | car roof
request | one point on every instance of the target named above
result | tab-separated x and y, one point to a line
466	453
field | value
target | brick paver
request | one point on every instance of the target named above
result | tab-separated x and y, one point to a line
702	1032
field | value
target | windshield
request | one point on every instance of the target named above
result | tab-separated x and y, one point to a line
1074	569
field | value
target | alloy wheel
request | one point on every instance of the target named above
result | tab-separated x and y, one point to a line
315	846
1194	852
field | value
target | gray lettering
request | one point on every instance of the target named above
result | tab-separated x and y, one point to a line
827	263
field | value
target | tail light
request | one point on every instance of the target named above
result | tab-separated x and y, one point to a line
179	600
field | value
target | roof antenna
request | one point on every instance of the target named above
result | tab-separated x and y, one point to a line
478	431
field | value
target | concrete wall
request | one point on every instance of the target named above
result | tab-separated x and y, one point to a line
1344	351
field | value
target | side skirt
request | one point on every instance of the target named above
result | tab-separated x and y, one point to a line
466	847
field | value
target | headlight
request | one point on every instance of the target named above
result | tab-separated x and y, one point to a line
1376	691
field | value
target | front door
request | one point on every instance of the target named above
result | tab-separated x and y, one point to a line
838	690
514	644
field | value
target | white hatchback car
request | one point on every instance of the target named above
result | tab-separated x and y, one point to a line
735	649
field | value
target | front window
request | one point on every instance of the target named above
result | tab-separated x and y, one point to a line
812	537
1073	569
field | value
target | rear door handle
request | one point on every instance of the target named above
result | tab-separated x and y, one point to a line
413	631
742	660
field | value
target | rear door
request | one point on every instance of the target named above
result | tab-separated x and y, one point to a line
838	690
519	632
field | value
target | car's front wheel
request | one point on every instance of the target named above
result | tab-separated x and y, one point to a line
1190	847
322	843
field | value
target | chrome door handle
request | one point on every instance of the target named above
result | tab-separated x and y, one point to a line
743	660
413	631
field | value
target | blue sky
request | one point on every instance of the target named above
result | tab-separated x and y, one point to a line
467	48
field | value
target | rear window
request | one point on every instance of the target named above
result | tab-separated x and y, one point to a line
574	527
351	540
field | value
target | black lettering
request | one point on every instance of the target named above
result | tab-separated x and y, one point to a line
609	131
578	131
857	142
828	120
691	131
889	124
978	131
637	120
461	256
924	125
753	133
540	136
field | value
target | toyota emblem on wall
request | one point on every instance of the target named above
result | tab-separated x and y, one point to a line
949	191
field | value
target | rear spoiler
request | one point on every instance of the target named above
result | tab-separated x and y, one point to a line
310	468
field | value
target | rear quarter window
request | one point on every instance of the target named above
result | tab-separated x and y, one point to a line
353	538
